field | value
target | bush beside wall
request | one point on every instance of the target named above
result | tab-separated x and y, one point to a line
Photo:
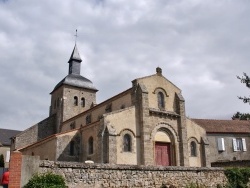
238	177
47	180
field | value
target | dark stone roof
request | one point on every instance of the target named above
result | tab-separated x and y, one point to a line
6	134
75	55
74	78
224	126
77	81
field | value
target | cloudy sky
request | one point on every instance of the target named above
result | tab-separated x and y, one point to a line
200	45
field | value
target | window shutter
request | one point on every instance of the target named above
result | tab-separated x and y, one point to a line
244	144
7	157
234	144
221	145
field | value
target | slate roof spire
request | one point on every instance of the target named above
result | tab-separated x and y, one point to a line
75	62
74	77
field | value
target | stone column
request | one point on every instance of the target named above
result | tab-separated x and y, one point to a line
205	152
111	143
112	149
103	143
182	131
140	100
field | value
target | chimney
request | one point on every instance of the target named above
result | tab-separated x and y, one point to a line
158	71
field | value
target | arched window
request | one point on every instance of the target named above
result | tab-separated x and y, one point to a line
193	149
82	102
75	100
108	108
73	125
91	145
88	119
161	101
72	148
127	143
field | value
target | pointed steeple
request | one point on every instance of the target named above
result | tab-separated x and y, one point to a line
75	55
75	62
74	77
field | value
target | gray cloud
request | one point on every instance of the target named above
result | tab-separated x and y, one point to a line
200	45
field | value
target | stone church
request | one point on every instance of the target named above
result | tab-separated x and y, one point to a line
143	125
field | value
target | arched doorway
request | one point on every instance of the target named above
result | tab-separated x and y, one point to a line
163	149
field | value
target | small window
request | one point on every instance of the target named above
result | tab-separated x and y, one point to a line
83	102
72	148
108	108
161	101
127	143
100	117
123	106
57	102
193	149
91	145
75	100
239	144
72	125
88	119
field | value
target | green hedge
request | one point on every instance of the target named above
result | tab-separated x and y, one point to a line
237	177
47	180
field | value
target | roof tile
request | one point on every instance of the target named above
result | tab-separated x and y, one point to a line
6	134
224	126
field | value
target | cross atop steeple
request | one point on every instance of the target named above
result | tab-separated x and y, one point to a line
75	36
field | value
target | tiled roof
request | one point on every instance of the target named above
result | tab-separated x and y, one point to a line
224	126
6	134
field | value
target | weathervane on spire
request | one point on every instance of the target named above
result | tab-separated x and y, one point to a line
75	36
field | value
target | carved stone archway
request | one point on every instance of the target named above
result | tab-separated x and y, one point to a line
172	142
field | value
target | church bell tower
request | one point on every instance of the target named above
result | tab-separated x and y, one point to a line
74	94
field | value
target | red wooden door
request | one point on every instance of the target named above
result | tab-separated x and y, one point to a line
162	154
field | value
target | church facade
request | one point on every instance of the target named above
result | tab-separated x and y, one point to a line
143	125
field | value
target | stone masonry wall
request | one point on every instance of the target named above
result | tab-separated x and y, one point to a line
119	102
35	133
106	175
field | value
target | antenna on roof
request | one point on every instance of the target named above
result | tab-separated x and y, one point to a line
75	36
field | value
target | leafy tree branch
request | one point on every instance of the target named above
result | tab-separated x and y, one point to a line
245	80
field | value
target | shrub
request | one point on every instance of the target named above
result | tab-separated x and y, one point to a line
47	180
237	177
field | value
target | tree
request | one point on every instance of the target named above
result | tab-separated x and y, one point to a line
245	80
241	116
1	160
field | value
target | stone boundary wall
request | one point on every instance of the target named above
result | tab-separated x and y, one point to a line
243	163
106	175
